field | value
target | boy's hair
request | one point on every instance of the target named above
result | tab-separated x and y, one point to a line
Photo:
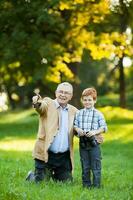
89	92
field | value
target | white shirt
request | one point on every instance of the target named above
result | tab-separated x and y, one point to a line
61	141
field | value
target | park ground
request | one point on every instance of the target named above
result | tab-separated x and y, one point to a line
17	136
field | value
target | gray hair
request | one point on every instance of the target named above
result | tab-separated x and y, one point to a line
65	84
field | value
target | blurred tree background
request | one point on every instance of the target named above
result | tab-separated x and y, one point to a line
85	42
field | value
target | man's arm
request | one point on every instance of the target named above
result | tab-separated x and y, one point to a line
39	104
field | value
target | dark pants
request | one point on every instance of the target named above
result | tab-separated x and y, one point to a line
91	163
58	167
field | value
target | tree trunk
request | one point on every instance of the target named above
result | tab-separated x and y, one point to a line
122	84
124	17
11	101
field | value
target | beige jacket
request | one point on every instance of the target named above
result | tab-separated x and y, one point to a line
49	126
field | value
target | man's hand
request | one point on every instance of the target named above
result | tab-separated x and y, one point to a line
35	99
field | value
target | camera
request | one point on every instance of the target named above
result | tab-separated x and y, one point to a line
88	141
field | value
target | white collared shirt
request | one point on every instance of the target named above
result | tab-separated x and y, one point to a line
61	141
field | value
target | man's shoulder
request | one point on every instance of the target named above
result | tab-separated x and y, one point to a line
48	100
79	112
72	108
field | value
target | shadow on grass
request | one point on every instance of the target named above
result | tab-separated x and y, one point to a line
18	130
28	126
117	148
119	121
18	124
112	149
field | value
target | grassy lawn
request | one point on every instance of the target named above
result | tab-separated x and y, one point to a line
17	137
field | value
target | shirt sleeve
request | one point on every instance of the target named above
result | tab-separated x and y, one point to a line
101	122
76	124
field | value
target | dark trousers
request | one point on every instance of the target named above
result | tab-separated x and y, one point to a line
58	167
91	163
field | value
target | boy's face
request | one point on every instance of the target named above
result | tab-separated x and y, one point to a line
88	101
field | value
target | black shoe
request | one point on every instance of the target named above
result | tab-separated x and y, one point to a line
87	187
96	186
39	175
30	176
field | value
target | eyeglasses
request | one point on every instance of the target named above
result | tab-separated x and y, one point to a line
63	92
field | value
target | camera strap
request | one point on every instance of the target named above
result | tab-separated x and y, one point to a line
92	119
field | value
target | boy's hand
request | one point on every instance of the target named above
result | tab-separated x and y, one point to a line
90	133
94	132
100	138
80	132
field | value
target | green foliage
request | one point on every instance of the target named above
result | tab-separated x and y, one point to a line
17	140
93	73
59	32
108	100
113	100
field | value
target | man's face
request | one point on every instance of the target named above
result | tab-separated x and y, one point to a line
63	95
88	101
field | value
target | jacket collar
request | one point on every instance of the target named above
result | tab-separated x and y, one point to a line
58	105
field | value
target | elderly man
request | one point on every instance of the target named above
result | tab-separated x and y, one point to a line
53	151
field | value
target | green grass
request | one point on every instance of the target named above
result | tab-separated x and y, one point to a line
17	137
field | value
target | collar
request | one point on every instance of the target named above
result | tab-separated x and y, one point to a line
58	105
89	109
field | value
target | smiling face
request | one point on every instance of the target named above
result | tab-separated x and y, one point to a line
88	101
64	94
